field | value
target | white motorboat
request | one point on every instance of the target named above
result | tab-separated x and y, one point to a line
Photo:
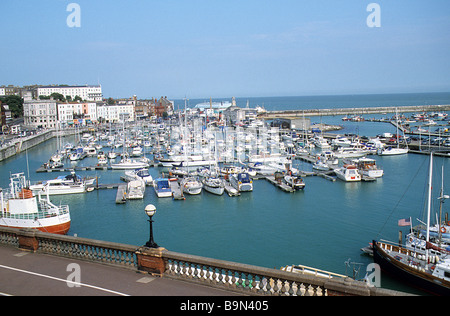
101	158
191	185
162	187
294	182
136	151
321	142
141	173
241	182
391	151
213	185
368	167
351	152
127	163
321	165
58	186
262	168
136	189
348	173
341	141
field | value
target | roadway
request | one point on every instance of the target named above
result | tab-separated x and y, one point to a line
23	273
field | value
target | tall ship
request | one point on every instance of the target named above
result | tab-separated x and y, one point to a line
427	269
20	208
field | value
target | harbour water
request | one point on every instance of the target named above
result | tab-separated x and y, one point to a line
323	226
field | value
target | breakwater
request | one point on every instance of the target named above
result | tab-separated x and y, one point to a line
354	111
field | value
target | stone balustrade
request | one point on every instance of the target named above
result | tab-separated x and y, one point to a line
240	278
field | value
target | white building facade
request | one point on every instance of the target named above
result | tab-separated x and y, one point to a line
85	92
40	113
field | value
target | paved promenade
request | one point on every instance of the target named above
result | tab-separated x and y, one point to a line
24	273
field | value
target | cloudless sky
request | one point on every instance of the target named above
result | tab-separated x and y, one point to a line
225	48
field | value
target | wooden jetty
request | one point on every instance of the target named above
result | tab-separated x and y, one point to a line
121	196
44	169
177	192
280	184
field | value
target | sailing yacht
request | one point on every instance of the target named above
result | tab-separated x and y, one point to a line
389	150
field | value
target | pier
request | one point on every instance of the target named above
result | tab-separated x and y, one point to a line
121	196
269	115
110	269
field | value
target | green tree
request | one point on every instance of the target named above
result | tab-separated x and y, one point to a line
15	104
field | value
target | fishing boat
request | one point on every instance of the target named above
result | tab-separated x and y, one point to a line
241	182
428	271
348	173
136	189
213	185
162	187
191	185
20	208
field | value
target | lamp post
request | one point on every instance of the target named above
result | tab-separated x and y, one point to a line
150	210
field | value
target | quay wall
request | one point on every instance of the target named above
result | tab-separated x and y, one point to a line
353	111
236	277
20	144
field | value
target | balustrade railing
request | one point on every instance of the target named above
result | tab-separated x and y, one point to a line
240	278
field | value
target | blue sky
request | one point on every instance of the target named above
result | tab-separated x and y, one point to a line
245	48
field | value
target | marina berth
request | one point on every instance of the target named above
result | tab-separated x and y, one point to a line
20	208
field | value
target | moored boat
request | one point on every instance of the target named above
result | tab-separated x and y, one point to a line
348	173
191	185
162	187
427	269
20	208
213	185
241	182
136	189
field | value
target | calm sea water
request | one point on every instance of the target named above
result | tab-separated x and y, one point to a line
323	226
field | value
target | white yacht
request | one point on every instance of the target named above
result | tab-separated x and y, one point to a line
136	189
348	173
213	185
191	185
